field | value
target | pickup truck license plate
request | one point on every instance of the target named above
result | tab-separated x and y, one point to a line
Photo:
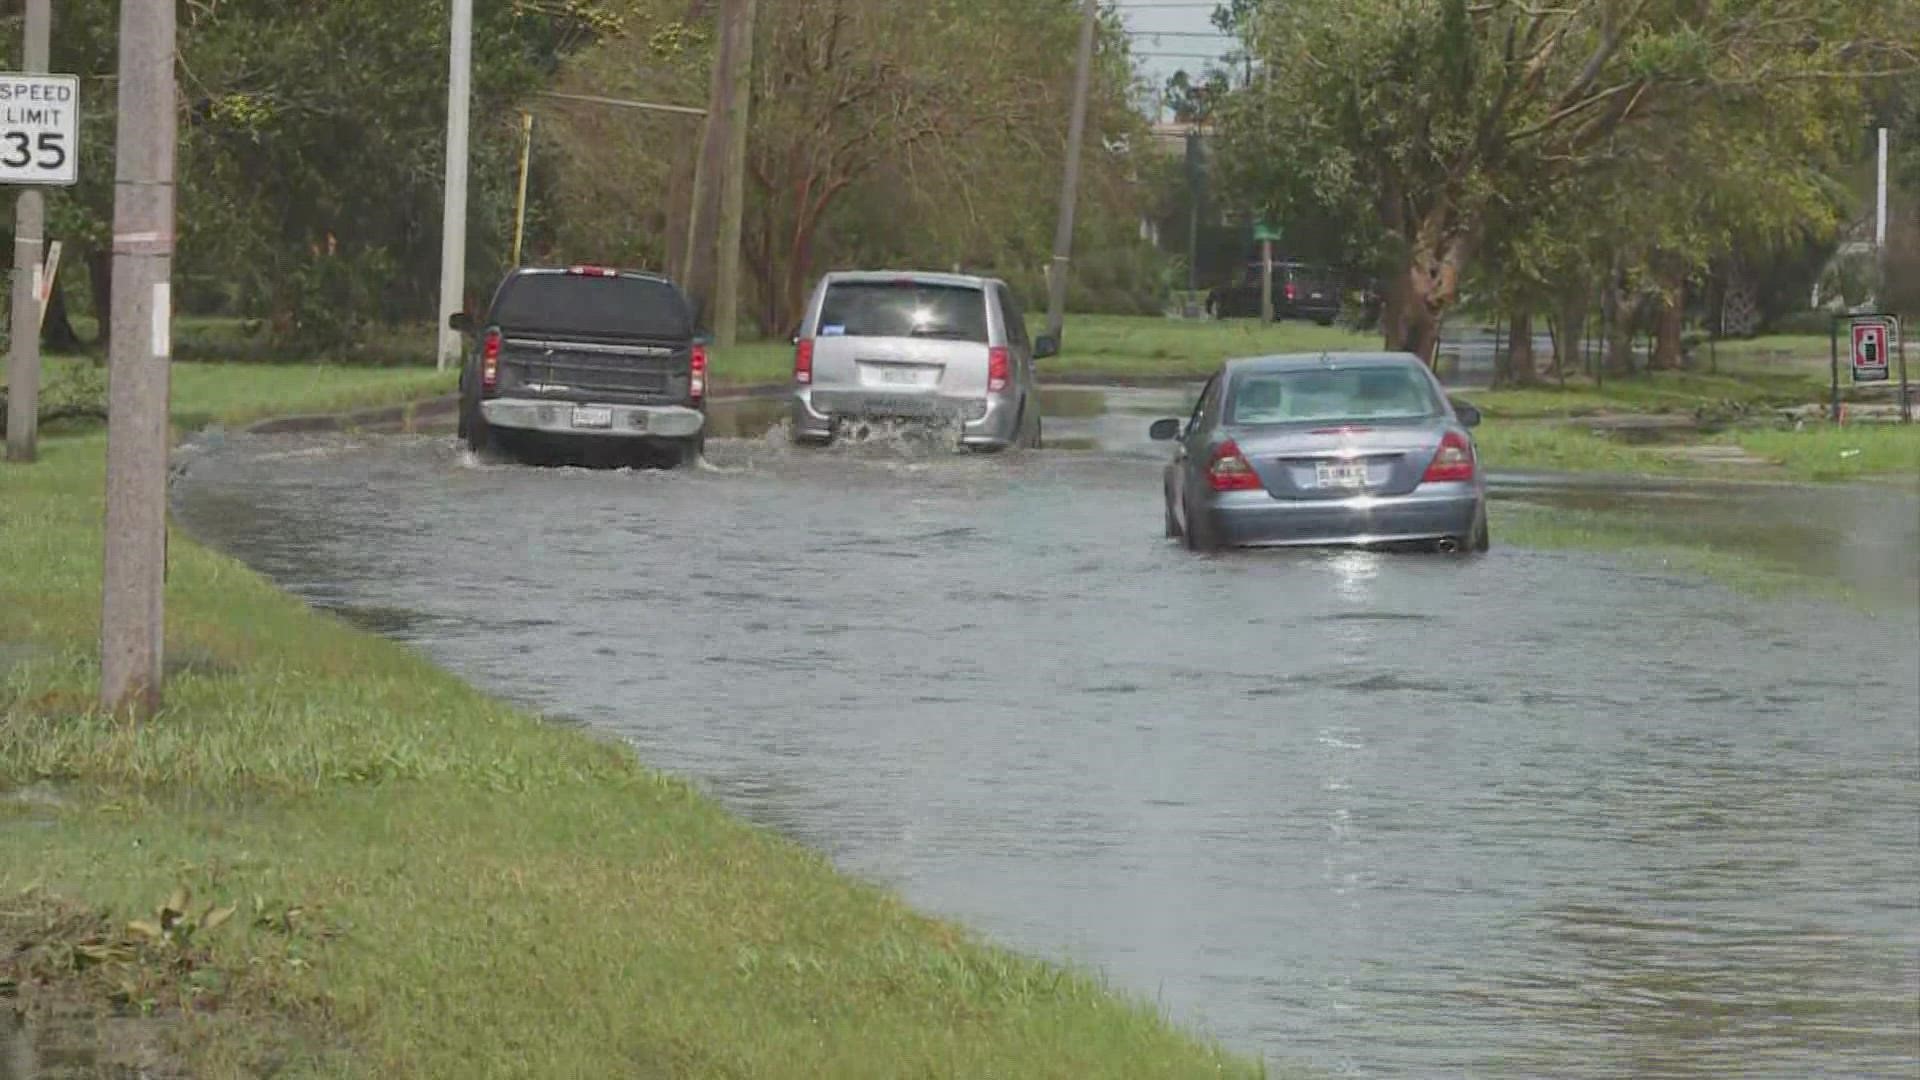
1342	474
592	416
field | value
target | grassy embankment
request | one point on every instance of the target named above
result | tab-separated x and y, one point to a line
430	883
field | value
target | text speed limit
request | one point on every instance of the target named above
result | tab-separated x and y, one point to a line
39	129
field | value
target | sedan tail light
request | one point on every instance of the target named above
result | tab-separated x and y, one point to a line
803	360
1229	471
999	368
697	373
1454	461
490	360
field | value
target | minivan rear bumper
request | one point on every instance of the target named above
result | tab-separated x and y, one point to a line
992	420
624	421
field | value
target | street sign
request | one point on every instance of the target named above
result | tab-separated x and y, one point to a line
1264	232
1875	339
39	129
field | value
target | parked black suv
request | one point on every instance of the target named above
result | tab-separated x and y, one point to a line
1301	290
585	355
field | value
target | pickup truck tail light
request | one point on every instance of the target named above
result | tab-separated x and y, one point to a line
490	360
697	374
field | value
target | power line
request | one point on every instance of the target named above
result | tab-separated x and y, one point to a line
1181	55
1214	35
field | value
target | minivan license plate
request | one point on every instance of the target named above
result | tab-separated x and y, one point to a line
592	416
1342	474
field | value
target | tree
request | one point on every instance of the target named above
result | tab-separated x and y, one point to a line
872	142
311	147
1432	112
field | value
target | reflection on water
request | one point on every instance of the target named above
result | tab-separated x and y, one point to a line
1533	814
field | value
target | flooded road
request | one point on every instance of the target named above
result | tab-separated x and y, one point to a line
1535	814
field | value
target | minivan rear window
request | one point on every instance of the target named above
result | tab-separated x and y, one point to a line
592	305
1327	395
905	309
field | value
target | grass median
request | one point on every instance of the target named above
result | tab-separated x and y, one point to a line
412	879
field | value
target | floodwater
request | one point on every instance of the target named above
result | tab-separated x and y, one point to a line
1534	814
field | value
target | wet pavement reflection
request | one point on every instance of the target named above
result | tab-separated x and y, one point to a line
1533	814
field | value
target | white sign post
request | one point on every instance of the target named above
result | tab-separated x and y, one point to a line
39	129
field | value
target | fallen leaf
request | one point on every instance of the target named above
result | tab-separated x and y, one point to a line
217	916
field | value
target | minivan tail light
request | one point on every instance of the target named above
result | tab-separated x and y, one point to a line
1229	471
490	360
1453	463
697	373
999	368
803	360
593	271
1292	291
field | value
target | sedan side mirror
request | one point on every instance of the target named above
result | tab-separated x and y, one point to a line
1469	416
1164	430
1044	346
460	321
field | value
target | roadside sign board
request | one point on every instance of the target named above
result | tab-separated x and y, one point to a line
1264	232
1875	339
39	129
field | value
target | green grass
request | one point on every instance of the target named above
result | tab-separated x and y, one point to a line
237	393
1823	452
1659	392
1512	446
479	893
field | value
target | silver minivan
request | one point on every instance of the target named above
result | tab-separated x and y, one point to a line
910	345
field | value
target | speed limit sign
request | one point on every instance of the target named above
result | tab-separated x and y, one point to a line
39	129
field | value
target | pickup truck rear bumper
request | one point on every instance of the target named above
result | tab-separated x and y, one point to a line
566	418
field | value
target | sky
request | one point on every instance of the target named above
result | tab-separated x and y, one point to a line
1176	17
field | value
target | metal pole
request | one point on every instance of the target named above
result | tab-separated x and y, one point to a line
1906	397
29	234
134	579
1880	227
520	197
453	219
1070	180
1833	348
1266	281
733	188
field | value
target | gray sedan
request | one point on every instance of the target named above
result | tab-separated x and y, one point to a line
1334	448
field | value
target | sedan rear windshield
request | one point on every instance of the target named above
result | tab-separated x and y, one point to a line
1330	394
594	306
907	309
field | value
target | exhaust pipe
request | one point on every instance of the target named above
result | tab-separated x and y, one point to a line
1448	546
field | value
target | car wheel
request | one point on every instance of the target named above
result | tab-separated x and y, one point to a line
1199	533
1482	535
1324	320
1173	523
1029	438
478	434
688	453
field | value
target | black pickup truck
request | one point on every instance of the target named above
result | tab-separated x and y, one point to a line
585	355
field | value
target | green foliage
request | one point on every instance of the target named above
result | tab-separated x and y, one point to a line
312	146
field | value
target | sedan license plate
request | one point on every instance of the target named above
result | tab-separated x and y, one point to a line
592	416
1342	474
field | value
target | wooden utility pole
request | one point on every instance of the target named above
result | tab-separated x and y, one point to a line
134	582
726	290
453	214
29	237
1070	182
710	167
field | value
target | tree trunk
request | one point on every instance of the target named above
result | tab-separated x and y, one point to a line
1515	366
1431	283
58	336
100	278
1620	320
1667	326
1569	330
